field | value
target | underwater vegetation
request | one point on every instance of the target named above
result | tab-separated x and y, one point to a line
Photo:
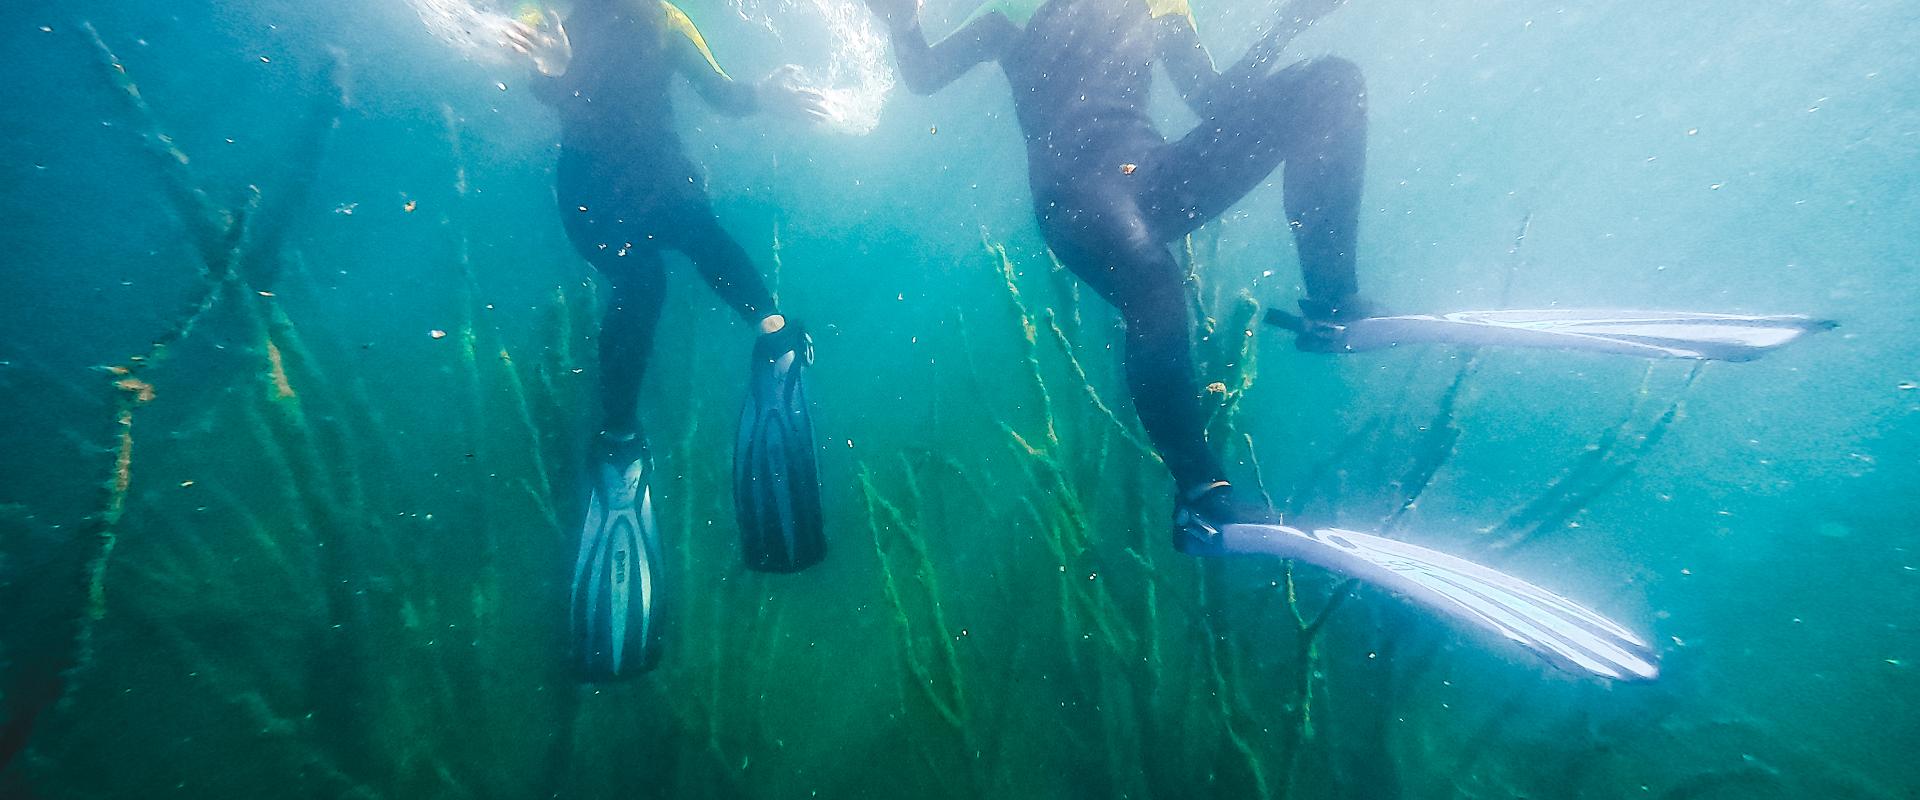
281	590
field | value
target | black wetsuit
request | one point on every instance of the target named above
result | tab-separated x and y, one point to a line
625	186
1111	192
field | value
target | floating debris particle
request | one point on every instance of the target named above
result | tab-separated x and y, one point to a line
141	390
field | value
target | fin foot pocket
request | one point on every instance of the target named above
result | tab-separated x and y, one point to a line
1200	515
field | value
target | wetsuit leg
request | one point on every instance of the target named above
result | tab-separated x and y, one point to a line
722	261
619	213
610	212
624	247
1312	116
639	281
1103	237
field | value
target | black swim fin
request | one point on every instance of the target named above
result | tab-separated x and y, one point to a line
616	580
776	473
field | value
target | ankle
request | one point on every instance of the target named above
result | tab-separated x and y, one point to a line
1200	490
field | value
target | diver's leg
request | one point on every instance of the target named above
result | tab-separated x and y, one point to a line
1313	117
626	333
1112	250
724	264
616	581
610	216
776	472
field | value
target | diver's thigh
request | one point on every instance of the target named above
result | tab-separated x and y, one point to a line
1247	136
690	226
1088	232
1107	242
1199	176
634	273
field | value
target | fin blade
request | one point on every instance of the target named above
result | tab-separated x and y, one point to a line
616	576
1557	629
776	468
1645	334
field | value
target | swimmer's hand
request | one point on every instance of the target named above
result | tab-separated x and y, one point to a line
546	45
895	13
782	93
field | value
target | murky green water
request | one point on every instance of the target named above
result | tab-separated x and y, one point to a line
328	555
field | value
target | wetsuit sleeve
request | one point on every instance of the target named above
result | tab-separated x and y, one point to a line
1186	60
925	68
692	58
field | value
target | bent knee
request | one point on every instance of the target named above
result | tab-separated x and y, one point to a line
1337	72
1336	83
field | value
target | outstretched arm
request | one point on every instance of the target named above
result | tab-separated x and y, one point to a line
1186	60
1191	68
1294	19
781	92
693	59
925	68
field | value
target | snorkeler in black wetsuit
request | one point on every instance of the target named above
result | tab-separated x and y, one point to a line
626	192
1111	192
625	186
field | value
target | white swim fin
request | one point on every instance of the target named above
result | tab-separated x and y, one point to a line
1647	334
1552	627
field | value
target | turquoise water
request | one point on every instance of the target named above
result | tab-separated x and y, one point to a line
337	564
